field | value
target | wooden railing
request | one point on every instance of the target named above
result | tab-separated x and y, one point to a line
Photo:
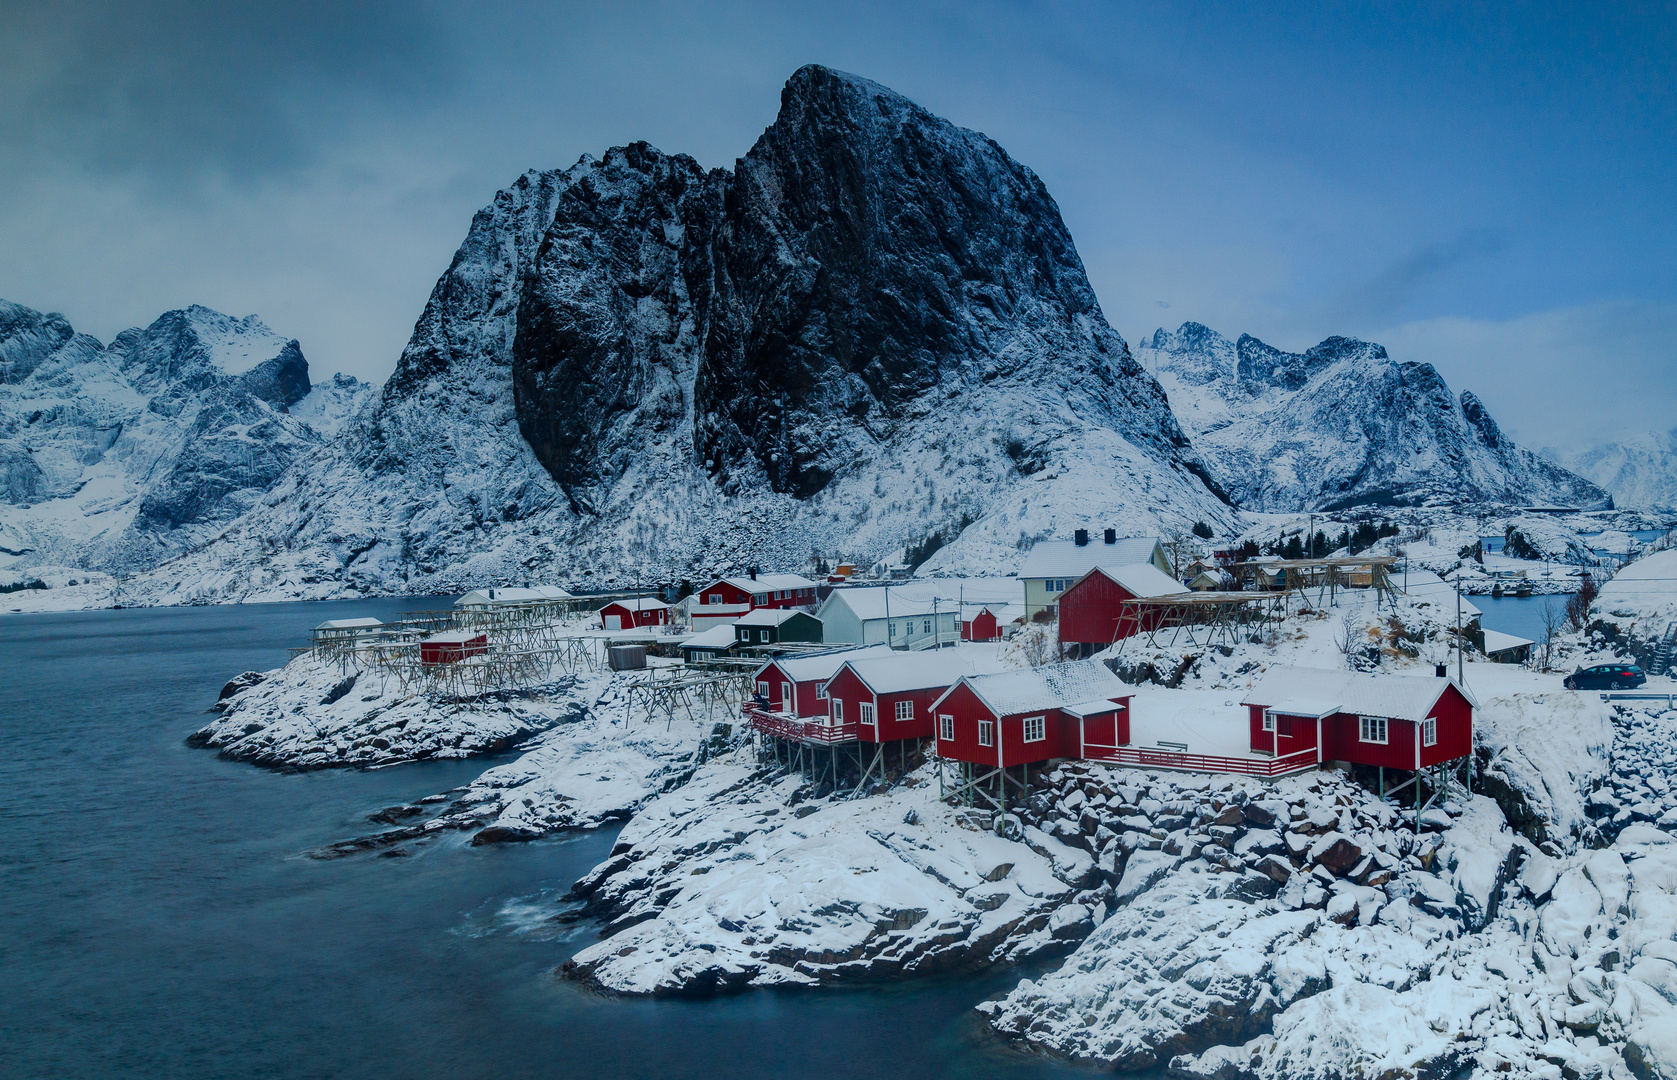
810	730
1140	758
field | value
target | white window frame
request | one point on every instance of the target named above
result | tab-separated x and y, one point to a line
867	714
835	710
763	690
763	635
905	711
713	598
1269	721
890	628
1039	724
821	690
986	733
1369	726
946	727
787	701
1429	731
925	626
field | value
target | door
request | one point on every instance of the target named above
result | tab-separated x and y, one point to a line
614	622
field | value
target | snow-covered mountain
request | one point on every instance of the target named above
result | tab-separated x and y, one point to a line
1639	471
119	457
1343	424
875	327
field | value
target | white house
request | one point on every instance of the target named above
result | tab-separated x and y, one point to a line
1053	565
880	615
489	599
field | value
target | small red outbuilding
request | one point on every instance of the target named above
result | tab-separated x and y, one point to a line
1092	611
452	646
634	613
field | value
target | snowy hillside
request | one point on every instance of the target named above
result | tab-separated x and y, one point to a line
873	329
1640	471
118	457
1343	424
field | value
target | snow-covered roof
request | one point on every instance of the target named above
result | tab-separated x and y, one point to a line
1647	586
1141	579
717	637
768	582
896	672
453	637
1063	558
1496	641
1051	686
349	624
489	597
1400	697
822	665
1427	585
766	617
871	602
639	603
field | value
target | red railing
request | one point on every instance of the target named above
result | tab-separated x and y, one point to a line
1135	757
810	730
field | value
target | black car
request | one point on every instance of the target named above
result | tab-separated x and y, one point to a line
1606	677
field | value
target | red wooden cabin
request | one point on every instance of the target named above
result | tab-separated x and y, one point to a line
797	686
452	646
981	627
1022	717
890	696
1092	612
756	591
1396	721
634	613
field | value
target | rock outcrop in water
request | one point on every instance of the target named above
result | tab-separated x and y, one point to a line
1343	424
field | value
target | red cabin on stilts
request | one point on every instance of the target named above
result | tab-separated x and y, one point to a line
453	646
1390	721
1024	717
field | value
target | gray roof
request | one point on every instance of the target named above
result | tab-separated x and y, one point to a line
769	582
1400	697
822	665
1063	558
349	624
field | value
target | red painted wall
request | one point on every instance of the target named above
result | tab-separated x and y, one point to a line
1106	729
1455	729
632	619
850	689
1262	741
732	594
1060	740
803	701
1090	612
437	652
982	627
1293	734
967	710
963	705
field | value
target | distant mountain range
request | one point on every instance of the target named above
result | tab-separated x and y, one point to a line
873	332
1343	424
1639	471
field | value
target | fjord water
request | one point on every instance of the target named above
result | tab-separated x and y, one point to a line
162	920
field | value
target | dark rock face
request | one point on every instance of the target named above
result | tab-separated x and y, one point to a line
1343	424
864	256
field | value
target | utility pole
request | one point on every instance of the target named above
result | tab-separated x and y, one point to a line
1461	678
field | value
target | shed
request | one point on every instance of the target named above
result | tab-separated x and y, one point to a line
708	644
345	631
771	626
634	613
1022	717
1506	648
452	646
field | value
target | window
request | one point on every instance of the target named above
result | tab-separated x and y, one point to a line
744	634
762	635
891	629
946	727
925	626
760	598
837	711
905	710
866	709
1035	729
763	690
1373	728
986	733
821	691
714	598
1269	720
1429	732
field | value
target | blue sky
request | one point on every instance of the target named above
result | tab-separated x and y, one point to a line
1490	191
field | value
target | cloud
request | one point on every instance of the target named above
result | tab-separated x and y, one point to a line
1388	292
184	90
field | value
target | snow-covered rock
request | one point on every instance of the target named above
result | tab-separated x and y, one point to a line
1343	424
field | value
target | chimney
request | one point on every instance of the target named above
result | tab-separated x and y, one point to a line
753	573
1080	537
1441	670
1111	536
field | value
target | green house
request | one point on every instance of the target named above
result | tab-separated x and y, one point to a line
773	626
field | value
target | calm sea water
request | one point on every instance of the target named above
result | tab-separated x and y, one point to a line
157	918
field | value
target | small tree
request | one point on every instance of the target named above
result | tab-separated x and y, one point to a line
1202	530
1578	604
1551	619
